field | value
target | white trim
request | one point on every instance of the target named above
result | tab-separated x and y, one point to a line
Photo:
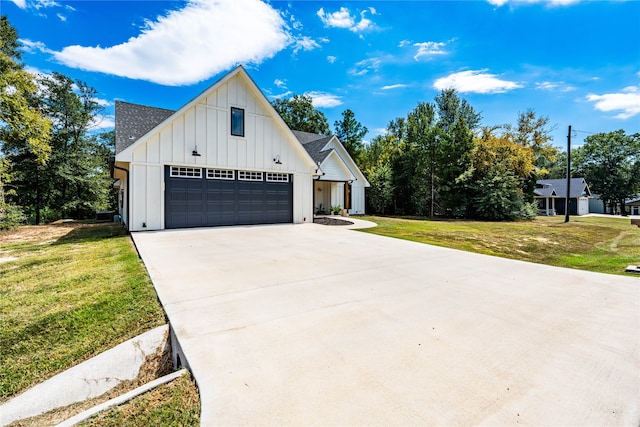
185	172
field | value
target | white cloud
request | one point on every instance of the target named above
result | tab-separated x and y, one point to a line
343	18
324	99
33	70
190	44
102	102
404	43
304	43
281	95
282	84
340	19
555	86
30	46
363	67
61	17
429	49
331	59
627	102
36	4
476	81
102	122
396	86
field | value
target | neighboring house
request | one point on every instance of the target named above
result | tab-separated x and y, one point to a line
226	158
551	196
632	206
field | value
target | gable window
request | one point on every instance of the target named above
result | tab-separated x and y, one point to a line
237	121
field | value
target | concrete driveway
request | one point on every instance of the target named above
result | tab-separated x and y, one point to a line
319	325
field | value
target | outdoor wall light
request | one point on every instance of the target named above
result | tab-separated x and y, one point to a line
276	160
195	152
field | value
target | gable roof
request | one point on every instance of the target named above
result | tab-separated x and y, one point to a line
125	153
320	147
135	120
314	144
558	188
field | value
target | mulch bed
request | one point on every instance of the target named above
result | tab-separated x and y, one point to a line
331	221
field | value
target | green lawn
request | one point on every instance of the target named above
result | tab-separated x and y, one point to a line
606	245
67	297
69	292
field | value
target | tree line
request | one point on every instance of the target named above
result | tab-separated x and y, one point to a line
51	164
439	161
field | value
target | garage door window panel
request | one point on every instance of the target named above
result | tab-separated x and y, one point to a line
185	172
250	176
223	174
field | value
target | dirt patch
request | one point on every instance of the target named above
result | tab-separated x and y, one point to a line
331	221
39	233
155	366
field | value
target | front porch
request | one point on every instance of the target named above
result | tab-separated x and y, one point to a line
329	194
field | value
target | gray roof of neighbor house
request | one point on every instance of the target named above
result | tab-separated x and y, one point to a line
133	121
314	144
558	188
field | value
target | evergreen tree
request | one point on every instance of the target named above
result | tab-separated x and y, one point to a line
351	132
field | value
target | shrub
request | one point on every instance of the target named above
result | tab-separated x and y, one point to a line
11	216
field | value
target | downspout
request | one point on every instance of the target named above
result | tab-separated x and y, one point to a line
126	172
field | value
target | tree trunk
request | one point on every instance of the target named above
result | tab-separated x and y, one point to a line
38	196
623	208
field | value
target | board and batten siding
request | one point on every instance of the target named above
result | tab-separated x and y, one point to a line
206	126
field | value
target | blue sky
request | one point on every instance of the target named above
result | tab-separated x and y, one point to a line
577	62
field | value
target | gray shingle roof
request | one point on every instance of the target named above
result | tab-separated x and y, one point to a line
314	144
134	120
558	188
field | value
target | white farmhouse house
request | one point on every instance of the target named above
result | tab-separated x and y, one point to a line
227	158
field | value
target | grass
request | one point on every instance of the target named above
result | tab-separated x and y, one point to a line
174	404
600	244
67	293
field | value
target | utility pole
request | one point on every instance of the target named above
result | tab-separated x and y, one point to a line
566	202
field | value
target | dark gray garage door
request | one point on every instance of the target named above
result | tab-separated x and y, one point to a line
198	197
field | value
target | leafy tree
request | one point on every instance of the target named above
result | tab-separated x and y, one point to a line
534	132
377	158
71	173
9	44
350	132
299	114
24	130
611	164
498	167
